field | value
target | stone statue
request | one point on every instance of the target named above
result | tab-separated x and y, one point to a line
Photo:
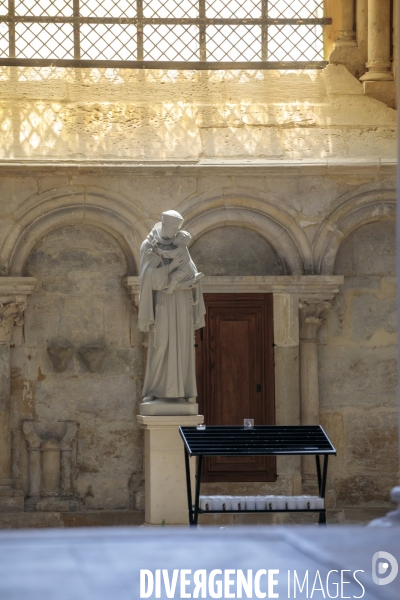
171	308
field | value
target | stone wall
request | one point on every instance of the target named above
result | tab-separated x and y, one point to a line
292	172
149	115
80	303
358	368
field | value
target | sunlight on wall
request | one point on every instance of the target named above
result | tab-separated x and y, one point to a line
186	115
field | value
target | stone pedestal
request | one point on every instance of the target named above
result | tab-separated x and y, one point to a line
164	408
384	91
165	477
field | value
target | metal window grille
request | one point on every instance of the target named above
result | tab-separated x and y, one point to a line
179	34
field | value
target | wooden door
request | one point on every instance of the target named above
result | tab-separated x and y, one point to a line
235	376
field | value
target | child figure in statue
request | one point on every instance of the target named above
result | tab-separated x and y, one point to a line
186	272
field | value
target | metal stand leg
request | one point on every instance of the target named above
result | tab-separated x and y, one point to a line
318	472
197	496
324	475
322	485
189	488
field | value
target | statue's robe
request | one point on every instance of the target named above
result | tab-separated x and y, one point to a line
171	320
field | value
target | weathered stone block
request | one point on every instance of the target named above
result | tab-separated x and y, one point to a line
363	489
242	141
103	398
372	441
351	376
370	314
113	445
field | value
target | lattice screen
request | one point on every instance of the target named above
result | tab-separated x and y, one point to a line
188	33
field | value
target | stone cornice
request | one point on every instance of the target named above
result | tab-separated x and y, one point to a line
309	288
17	286
202	167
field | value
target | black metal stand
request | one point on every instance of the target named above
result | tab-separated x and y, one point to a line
271	440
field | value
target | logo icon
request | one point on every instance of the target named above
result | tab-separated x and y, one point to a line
384	563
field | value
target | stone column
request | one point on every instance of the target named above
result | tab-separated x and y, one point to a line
5	442
51	473
310	322
11	312
34	454
67	487
347	33
66	471
50	468
13	296
287	391
379	64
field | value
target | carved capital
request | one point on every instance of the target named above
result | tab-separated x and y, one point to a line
131	284
13	296
11	313
63	433
71	430
310	319
30	434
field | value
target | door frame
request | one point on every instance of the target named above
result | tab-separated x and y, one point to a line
204	357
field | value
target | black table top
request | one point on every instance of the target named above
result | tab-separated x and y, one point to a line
261	440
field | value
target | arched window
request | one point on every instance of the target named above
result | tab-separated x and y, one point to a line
182	34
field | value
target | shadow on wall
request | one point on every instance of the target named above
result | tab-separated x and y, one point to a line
235	251
158	114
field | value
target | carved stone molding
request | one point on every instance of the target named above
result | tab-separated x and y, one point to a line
132	284
11	313
311	320
60	357
93	356
310	288
14	292
50	461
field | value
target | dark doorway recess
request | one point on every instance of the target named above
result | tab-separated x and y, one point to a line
235	376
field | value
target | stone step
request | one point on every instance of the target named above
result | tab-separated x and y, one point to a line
92	518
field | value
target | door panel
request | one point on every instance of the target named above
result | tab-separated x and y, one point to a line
235	376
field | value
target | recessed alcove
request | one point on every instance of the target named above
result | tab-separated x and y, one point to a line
80	303
231	250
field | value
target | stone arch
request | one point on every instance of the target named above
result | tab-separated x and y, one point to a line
209	211
70	206
376	205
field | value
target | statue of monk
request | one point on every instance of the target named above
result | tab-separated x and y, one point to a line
171	308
